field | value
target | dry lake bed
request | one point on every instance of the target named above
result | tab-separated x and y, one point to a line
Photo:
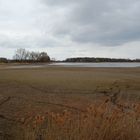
35	91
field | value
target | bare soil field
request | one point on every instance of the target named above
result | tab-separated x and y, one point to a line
29	97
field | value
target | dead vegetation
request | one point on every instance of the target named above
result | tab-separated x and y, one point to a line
100	121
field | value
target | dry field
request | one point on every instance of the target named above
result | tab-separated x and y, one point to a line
56	103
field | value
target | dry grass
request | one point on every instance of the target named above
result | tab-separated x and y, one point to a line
100	121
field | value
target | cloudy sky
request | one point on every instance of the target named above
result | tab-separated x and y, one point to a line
71	28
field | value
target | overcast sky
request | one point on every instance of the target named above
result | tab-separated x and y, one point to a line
71	28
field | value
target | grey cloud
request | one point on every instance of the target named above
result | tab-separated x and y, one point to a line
59	2
98	21
63	25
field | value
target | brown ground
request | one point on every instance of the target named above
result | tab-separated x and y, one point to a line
39	90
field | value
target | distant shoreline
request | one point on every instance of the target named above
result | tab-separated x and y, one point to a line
69	60
71	65
98	59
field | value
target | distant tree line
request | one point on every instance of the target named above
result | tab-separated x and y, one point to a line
94	59
22	55
3	60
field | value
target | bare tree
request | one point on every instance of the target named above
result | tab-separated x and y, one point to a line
33	56
23	55
43	57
